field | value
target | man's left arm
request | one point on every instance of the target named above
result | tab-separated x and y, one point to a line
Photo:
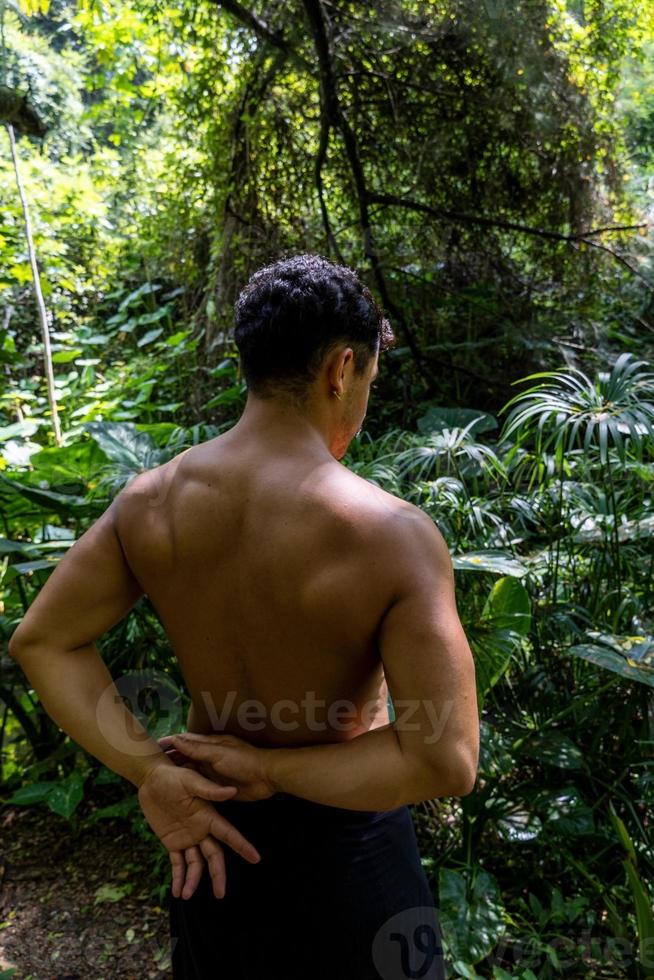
91	589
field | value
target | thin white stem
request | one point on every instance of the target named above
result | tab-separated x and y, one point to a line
43	316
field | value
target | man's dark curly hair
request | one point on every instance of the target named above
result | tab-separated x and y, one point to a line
292	312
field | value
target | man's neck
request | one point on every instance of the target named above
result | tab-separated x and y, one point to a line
278	421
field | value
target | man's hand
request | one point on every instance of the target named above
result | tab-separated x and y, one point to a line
228	759
174	800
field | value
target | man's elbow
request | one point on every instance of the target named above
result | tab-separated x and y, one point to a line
19	643
457	779
14	645
464	783
468	769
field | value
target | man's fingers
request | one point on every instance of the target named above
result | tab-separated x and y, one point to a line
223	830
201	737
179	871
178	757
195	748
194	869
215	858
208	789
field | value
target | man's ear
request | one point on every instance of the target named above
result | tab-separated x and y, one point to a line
339	364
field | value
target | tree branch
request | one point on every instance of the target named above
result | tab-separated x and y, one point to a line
325	129
575	239
412	205
259	26
331	108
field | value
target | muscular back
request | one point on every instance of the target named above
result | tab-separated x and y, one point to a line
271	574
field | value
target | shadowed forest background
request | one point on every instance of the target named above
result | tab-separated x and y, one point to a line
488	168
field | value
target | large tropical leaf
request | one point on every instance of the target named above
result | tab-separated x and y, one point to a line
122	443
554	749
504	620
495	561
62	797
440	451
641	896
568	408
49	500
470	913
508	606
609	659
566	813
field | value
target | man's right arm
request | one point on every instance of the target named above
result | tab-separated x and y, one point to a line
432	747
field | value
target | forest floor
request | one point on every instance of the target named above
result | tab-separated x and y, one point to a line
77	907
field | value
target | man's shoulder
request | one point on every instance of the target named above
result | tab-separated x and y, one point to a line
143	503
391	521
150	486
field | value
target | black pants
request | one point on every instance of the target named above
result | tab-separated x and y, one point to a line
338	895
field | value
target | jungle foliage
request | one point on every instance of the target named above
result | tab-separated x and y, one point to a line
488	168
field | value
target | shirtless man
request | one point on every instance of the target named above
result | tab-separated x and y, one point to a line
296	595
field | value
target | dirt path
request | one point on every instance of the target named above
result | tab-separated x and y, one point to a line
77	909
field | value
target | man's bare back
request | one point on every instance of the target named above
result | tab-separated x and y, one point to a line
270	577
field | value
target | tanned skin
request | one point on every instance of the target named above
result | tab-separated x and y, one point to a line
283	580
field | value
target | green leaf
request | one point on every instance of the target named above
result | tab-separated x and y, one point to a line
47	499
622	833
493	649
112	893
33	793
123	809
62	797
66	795
122	443
508	606
639	649
125	326
175	339
229	396
18	430
567	814
463	970
149	337
27	567
640	894
644	915
138	294
63	356
79	462
470	913
519	825
495	757
616	662
147	318
106	777
495	561
555	749
8	547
